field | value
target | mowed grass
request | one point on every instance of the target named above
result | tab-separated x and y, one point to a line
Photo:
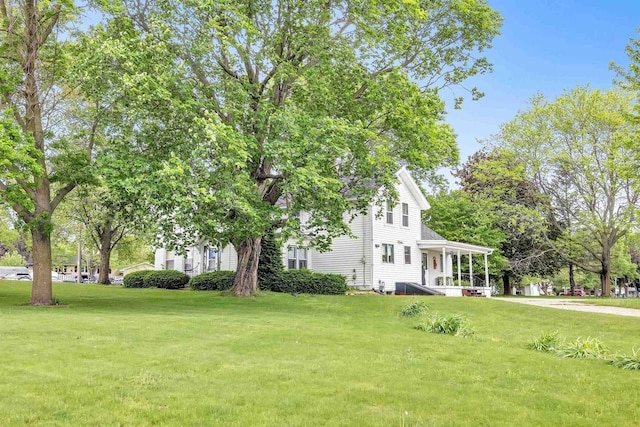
615	302
113	356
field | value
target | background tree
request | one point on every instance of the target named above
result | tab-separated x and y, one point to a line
585	140
43	155
104	220
456	217
497	185
296	105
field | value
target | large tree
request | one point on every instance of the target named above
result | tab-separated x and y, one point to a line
497	184
44	148
582	152
300	106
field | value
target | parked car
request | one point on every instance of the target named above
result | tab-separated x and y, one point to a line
575	293
17	276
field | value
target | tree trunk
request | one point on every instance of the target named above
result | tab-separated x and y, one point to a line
572	279
605	282
246	281
41	290
105	254
105	258
506	283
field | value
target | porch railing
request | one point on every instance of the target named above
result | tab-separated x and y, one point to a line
466	278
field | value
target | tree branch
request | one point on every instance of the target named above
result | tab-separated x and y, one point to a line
53	20
61	194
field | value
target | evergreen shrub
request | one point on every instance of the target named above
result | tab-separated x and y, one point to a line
309	282
166	279
212	281
136	279
270	266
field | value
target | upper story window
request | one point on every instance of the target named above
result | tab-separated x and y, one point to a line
389	213
387	253
405	214
296	257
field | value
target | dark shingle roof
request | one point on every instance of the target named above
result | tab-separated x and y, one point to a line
429	234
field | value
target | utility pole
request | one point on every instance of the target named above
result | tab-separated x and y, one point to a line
79	267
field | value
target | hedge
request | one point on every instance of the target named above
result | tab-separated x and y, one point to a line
136	279
166	279
289	281
212	281
309	282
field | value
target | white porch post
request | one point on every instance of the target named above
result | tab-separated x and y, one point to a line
471	268
444	267
486	273
459	271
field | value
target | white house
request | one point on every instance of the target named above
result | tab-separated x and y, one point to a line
389	251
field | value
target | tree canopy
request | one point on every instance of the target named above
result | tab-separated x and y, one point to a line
265	109
45	147
581	150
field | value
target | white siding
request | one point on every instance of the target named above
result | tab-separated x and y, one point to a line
398	236
348	256
229	258
160	259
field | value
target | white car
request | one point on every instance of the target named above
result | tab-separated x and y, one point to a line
17	276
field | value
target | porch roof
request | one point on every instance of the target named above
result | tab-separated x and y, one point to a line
432	240
449	246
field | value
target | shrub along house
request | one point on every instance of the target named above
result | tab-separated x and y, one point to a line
392	252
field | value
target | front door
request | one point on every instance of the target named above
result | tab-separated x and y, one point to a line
425	269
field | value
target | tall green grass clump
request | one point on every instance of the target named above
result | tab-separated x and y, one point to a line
452	325
626	362
547	342
415	308
587	348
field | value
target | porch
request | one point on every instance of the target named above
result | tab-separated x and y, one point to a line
442	262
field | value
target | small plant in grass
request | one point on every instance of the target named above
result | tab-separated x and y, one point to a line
588	348
547	342
453	325
416	308
626	362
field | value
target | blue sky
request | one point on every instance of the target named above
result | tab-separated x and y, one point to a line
545	47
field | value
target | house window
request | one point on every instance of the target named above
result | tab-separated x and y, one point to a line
212	256
389	215
188	264
296	258
407	254
441	264
169	264
405	214
387	253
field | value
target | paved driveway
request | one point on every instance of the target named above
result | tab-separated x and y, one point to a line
576	305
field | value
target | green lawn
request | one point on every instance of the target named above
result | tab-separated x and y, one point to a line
616	302
115	356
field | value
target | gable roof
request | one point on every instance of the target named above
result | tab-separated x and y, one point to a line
406	178
428	234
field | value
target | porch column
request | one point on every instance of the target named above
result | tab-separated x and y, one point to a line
459	273
444	267
486	273
471	268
